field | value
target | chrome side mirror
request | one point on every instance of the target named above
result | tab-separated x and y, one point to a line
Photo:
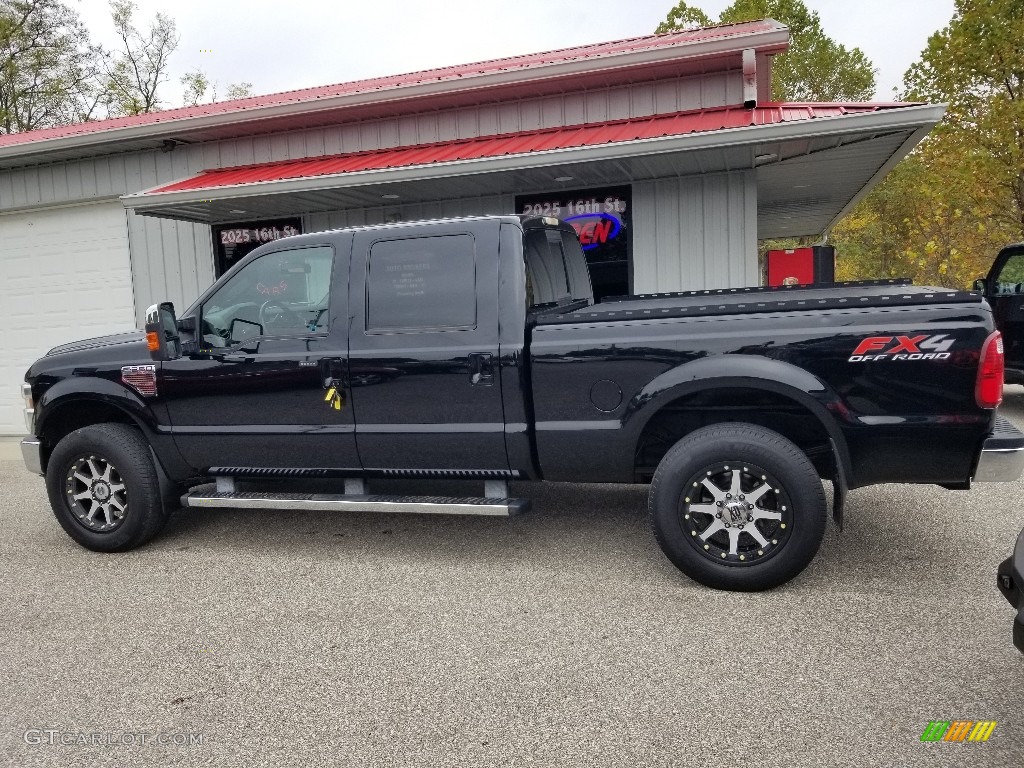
162	332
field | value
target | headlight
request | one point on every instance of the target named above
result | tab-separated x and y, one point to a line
30	407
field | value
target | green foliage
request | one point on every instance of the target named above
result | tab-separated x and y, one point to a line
929	220
51	74
683	16
238	91
198	84
944	212
976	64
816	67
136	71
48	71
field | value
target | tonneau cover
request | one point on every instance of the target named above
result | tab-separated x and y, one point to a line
728	301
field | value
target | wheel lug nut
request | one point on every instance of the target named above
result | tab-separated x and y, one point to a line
750	506
728	495
727	525
750	518
718	514
740	526
742	497
718	503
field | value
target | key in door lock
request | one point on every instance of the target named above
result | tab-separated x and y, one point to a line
335	395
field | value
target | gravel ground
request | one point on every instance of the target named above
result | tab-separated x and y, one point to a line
562	637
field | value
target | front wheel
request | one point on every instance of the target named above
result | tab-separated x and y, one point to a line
737	506
103	488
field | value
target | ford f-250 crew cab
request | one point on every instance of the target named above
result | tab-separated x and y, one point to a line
472	348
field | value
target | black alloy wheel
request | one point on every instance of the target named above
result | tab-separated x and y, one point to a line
104	489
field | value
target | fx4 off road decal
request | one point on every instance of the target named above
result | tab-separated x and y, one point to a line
902	348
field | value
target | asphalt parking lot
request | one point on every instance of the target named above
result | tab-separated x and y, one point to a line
563	637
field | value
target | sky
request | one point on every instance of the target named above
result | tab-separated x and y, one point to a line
281	46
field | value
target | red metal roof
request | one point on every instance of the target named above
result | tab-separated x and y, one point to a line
452	74
676	124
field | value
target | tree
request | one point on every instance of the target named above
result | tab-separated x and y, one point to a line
197	83
815	68
136	71
49	74
239	91
929	220
944	212
976	64
683	16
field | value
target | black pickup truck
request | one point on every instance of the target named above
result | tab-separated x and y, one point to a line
473	349
1003	288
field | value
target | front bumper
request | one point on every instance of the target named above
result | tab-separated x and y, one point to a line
1011	583
32	453
1002	457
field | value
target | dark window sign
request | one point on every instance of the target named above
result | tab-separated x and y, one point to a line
602	219
231	242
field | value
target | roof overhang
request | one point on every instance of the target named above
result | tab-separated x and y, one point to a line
574	69
809	172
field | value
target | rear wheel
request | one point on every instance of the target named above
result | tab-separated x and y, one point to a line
103	488
737	506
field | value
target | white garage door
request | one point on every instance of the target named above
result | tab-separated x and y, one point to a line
65	275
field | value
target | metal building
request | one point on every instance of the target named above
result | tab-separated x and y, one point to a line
664	150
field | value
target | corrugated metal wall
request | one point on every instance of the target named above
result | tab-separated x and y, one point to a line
174	260
695	232
170	260
117	174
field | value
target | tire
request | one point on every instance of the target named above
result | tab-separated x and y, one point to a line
104	490
752	536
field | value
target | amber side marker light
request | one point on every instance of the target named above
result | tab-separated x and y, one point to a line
988	391
153	341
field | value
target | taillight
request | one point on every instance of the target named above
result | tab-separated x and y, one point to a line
988	392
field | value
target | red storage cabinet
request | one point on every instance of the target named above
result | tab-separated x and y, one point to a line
815	265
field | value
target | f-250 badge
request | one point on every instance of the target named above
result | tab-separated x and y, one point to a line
902	348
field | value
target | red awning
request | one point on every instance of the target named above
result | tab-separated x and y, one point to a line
590	134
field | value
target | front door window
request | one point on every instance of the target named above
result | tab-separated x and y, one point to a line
283	293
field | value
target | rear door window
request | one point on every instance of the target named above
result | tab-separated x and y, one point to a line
421	283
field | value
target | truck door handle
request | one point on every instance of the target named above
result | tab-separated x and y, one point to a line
481	369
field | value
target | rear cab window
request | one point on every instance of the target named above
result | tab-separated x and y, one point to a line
556	269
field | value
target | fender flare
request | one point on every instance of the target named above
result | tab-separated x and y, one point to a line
743	372
92	389
96	390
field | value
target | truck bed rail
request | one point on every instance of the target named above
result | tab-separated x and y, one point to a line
737	301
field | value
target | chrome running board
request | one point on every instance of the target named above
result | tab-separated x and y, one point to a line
339	502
